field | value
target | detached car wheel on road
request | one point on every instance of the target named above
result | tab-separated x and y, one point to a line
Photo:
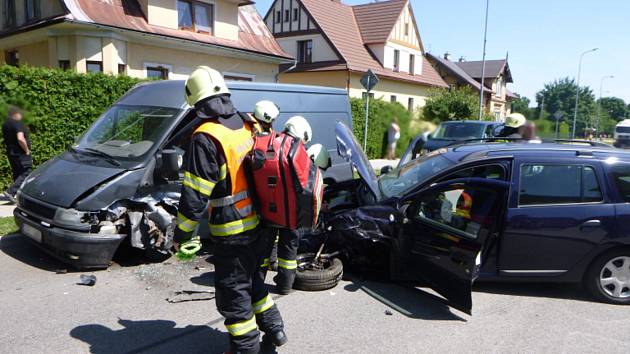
608	278
315	275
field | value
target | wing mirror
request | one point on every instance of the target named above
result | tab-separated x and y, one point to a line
386	169
171	161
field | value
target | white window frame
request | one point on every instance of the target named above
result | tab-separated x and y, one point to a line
243	75
165	66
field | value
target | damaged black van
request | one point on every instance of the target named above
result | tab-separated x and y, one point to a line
121	180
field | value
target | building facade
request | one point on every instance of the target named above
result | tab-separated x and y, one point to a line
141	38
497	98
335	44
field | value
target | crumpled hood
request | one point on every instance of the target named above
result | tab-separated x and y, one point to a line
61	182
350	150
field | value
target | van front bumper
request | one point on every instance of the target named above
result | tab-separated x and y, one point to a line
81	250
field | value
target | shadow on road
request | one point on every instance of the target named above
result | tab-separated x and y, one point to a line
155	336
22	249
408	301
548	290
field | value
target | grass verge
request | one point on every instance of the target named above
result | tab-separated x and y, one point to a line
7	226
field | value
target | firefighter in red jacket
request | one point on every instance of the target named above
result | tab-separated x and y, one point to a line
214	175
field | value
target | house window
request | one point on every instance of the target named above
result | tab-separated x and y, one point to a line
157	72
64	64
195	16
499	87
94	66
392	98
305	51
236	77
122	69
406	29
9	13
410	104
396	59
32	9
12	57
497	115
295	14
287	15
412	64
278	16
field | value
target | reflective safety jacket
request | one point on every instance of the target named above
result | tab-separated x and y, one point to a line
215	180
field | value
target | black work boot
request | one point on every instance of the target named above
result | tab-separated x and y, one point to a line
278	338
281	287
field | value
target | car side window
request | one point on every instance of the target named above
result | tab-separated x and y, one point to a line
558	184
492	171
458	208
621	176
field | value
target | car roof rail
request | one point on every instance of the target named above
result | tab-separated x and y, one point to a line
580	141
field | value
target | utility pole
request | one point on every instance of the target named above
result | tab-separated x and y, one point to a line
577	92
599	103
542	107
483	62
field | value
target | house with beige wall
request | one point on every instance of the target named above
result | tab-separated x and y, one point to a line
141	38
497	98
334	44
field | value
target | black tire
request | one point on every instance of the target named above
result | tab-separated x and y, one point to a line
592	277
315	279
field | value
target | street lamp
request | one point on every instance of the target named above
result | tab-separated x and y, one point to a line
599	106
577	94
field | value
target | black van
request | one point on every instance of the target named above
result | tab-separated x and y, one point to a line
122	178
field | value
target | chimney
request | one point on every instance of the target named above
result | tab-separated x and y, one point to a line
447	56
462	59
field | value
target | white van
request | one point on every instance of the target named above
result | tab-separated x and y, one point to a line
622	134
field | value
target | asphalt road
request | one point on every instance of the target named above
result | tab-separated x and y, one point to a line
42	311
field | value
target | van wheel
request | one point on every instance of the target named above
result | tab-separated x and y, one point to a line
608	277
316	276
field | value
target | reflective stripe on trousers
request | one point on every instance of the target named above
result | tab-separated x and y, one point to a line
185	224
287	264
243	327
263	305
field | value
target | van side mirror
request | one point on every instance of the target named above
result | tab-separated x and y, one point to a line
171	162
386	169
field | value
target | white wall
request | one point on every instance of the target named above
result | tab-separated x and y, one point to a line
321	50
388	55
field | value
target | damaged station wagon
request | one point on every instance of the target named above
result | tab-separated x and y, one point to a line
555	211
121	181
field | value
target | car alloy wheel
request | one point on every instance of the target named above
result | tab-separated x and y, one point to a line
614	277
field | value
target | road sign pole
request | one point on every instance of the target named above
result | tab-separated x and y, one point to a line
367	110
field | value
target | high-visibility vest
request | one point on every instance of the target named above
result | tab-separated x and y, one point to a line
234	213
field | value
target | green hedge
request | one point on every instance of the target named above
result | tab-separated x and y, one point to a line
58	106
380	116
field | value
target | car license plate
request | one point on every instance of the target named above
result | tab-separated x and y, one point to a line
32	232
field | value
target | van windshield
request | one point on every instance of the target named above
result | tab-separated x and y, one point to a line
459	131
127	132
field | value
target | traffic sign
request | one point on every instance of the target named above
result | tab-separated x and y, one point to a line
369	80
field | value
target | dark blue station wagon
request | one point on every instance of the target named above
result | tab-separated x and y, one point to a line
497	211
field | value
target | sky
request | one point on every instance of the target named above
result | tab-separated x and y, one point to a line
543	39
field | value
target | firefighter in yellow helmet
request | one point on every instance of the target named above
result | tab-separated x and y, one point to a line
214	175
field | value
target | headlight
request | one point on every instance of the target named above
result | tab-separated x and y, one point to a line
69	217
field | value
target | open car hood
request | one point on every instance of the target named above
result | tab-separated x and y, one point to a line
350	150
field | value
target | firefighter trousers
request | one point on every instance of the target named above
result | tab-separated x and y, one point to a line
287	248
241	295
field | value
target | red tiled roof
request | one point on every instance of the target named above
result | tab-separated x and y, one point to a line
253	35
338	24
376	20
493	68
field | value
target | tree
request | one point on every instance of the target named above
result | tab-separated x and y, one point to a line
521	105
559	96
452	104
613	106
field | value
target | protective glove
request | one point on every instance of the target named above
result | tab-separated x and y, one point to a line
188	249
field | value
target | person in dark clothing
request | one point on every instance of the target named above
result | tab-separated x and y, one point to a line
513	126
18	147
215	182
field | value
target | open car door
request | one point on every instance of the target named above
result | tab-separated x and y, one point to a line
445	230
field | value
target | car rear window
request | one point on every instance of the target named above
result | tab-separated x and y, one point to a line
558	184
621	176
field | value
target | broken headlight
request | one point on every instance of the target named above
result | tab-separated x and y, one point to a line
69	217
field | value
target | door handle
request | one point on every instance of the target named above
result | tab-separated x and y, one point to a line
590	224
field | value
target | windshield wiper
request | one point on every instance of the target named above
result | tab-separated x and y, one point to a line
109	158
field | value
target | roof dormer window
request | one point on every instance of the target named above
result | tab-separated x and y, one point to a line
195	16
